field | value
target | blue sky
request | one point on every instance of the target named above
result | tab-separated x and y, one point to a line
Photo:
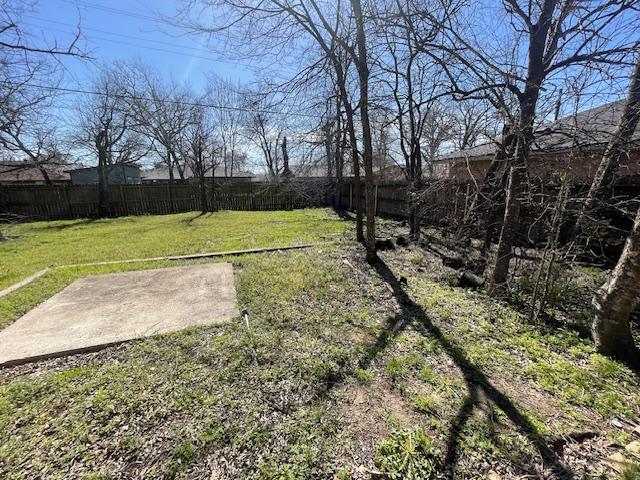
126	29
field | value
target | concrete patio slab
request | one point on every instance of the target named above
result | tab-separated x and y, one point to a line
102	310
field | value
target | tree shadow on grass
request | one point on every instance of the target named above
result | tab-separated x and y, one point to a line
193	218
70	224
476	381
344	214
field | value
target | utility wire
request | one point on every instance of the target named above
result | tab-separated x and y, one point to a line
116	11
107	32
163	50
191	104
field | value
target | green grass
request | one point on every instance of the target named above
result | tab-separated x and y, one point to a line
172	400
38	245
323	386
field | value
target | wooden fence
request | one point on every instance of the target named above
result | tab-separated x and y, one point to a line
390	197
74	201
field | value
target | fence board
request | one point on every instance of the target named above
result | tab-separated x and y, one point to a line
52	202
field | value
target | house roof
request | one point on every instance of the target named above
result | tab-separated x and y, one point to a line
25	172
309	170
162	173
391	172
316	169
589	129
122	165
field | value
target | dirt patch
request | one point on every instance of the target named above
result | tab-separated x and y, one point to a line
369	413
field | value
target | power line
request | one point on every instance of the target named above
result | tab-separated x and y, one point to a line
107	32
116	11
129	44
190	104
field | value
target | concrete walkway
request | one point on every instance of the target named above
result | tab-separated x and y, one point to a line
102	310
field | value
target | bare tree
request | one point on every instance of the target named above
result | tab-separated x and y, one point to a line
472	123
286	171
265	28
557	35
201	151
29	74
413	87
438	130
361	62
14	39
264	129
161	111
106	129
546	38
230	119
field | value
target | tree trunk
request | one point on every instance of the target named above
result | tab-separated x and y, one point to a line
45	174
338	162
225	160
509	224
328	151
286	172
363	76
414	191
357	184
213	186
353	140
171	181
613	304
493	194
203	194
103	177
515	188
180	170
617	148
528	100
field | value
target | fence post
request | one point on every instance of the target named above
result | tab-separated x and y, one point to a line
122	202
4	199
66	197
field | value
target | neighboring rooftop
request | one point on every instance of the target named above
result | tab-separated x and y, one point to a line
161	173
18	172
588	129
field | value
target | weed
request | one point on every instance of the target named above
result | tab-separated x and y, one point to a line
408	454
425	403
180	458
98	476
631	472
363	376
397	366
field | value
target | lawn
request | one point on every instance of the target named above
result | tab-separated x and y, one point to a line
41	244
348	371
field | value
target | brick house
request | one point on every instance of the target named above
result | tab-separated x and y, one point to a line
572	144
